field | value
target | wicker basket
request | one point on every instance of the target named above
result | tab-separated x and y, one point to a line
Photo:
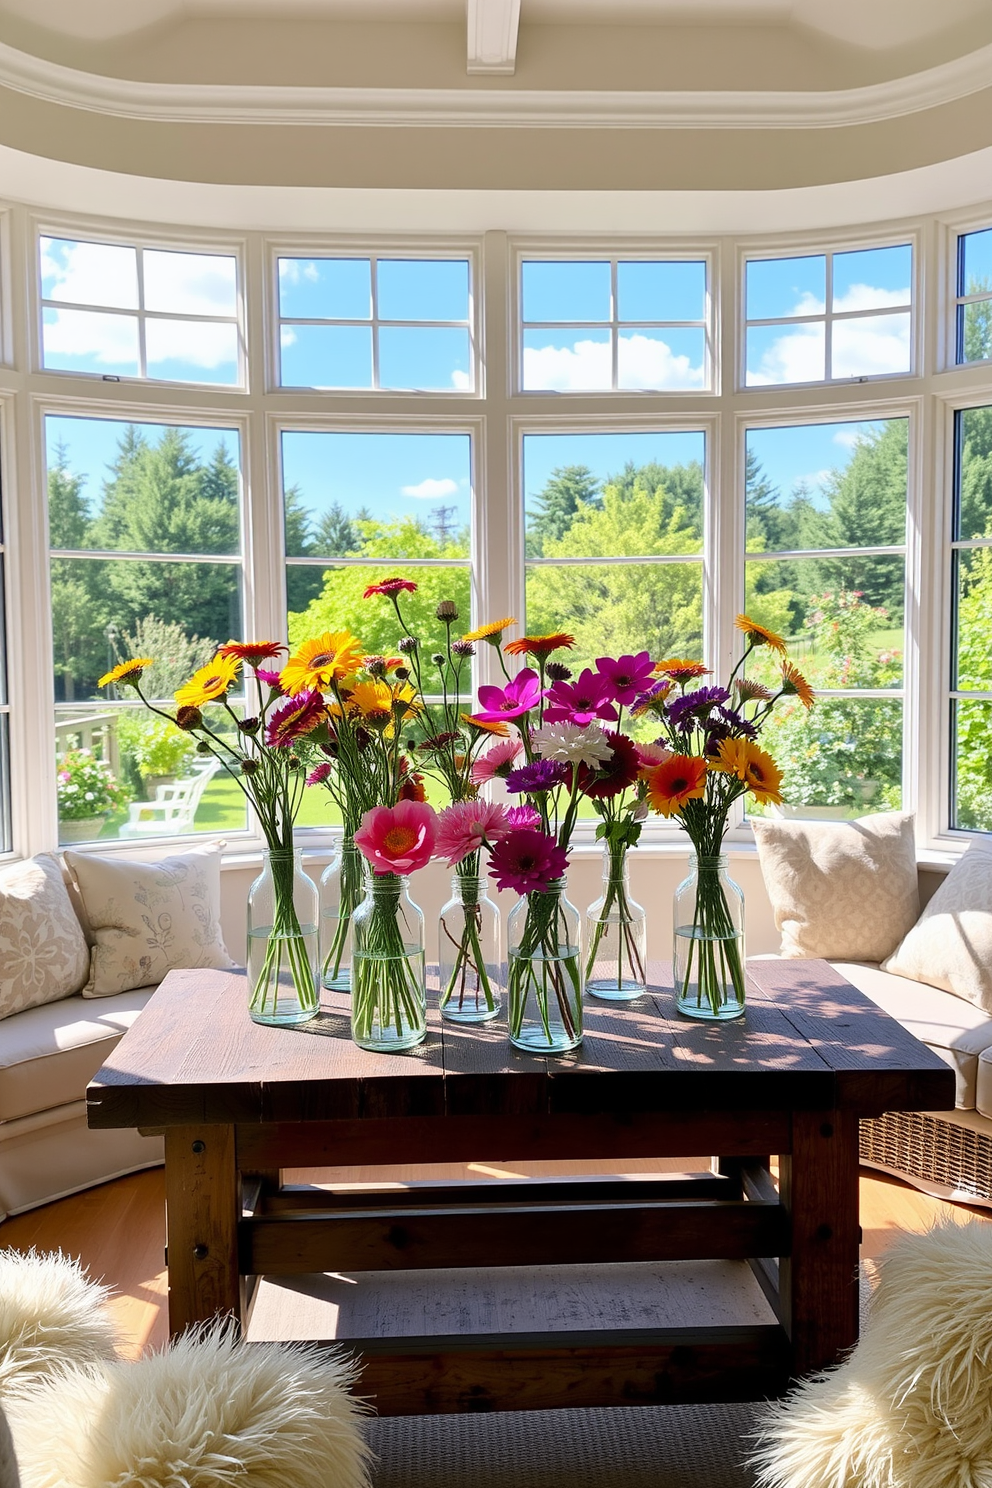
949	1159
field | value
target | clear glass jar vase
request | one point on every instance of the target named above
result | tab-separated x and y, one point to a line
389	967
282	941
544	974
708	961
616	935
469	951
340	895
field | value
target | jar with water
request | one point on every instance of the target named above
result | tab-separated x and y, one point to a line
708	957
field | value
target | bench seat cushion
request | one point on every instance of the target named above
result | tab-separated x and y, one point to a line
49	1054
954	1029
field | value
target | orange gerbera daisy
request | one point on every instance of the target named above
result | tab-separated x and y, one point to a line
794	684
321	661
253	652
750	691
754	766
127	672
679	670
677	780
484	727
209	683
540	645
493	632
760	635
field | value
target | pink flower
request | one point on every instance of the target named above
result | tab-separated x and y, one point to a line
294	718
513	700
398	839
626	676
271	679
318	776
526	861
519	817
496	761
580	702
465	826
652	754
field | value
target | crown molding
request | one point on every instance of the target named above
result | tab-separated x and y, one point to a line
490	108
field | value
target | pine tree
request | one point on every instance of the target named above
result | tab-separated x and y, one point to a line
569	488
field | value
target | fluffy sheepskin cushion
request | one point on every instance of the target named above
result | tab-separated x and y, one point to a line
50	1316
207	1413
909	1408
8	1467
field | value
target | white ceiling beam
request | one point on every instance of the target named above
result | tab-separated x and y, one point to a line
492	35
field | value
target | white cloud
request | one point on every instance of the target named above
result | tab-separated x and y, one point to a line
864	297
432	490
794	356
814	479
870	346
105	274
108	340
200	343
462	381
91	274
644	362
287	336
847	438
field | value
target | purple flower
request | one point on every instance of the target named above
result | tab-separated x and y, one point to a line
738	723
527	860
542	775
581	701
511	701
520	818
626	676
685	710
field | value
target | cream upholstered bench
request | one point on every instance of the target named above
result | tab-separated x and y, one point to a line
81	950
849	893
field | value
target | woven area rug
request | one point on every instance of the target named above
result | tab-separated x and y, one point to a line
677	1446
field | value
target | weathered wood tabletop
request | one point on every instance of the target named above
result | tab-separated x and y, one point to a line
239	1101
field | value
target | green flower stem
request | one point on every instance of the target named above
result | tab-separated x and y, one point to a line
351	897
716	944
286	944
386	988
616	895
469	970
538	966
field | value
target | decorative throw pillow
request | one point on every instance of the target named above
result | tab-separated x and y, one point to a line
147	918
845	891
43	952
950	946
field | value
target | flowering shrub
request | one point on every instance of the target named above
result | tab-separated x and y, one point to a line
87	786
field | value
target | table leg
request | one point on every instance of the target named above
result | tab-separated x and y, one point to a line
202	1196
818	1183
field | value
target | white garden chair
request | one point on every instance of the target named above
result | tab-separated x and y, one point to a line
174	807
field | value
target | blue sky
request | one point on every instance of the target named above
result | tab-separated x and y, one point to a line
805	453
91	445
393	475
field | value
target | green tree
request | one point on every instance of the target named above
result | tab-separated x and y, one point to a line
79	613
867	508
977	339
569	489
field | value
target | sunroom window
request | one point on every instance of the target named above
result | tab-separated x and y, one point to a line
971	657
974	297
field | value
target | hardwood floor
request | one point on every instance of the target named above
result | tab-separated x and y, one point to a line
118	1229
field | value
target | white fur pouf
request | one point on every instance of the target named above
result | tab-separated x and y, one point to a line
206	1413
50	1316
910	1406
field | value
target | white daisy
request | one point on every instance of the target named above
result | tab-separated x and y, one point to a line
568	744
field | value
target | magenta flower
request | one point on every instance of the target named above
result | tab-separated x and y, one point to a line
318	776
465	826
398	839
581	701
520	817
626	676
271	679
526	861
496	761
511	701
292	719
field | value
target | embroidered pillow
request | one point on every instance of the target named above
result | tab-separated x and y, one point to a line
846	891
147	918
950	946
43	952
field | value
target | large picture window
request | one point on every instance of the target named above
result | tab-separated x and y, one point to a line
971	656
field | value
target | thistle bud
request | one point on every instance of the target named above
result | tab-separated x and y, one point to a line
189	718
249	766
249	725
438	658
375	666
203	747
407	645
447	611
557	671
401	674
462	648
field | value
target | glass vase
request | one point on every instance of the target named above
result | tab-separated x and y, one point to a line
708	958
616	935
282	941
389	967
340	896
469	958
544	976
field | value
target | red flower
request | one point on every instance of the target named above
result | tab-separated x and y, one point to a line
292	719
390	586
252	652
615	774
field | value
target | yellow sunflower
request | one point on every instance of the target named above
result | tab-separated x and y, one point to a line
321	661
794	684
760	635
127	672
369	697
754	766
209	683
493	632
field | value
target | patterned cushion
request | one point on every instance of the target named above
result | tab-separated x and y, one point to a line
950	946
43	953
147	918
846	891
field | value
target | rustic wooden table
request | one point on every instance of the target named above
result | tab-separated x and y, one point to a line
239	1102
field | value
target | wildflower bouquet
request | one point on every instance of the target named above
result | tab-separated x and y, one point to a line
709	757
260	753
